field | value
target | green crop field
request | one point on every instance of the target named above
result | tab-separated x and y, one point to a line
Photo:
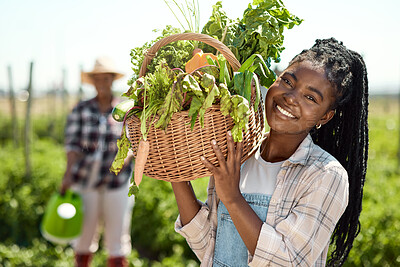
23	199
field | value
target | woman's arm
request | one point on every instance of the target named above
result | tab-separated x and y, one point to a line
186	200
72	158
72	145
246	221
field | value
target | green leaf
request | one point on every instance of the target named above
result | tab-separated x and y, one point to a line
258	92
123	145
225	103
208	103
207	81
248	77
189	84
172	104
194	110
240	114
133	190
238	83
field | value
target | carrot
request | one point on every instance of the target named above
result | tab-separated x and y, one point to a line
141	158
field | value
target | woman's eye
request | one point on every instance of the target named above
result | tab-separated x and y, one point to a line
286	81
311	98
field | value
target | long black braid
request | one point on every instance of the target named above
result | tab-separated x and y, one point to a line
345	136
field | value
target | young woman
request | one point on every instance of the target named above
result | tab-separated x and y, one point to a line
303	187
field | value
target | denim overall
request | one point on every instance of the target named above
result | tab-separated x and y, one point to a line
230	249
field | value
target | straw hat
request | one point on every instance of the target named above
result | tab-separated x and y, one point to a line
102	65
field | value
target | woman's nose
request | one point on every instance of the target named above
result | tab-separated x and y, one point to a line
291	98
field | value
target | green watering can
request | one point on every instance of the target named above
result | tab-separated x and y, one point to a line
62	221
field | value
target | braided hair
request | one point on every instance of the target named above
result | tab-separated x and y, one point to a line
345	136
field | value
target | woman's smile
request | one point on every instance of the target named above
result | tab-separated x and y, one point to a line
285	112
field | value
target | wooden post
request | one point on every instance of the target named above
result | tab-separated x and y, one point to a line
398	145
28	171
398	120
80	93
64	93
14	120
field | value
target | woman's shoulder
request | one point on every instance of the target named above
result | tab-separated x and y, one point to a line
323	161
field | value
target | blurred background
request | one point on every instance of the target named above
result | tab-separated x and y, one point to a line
44	46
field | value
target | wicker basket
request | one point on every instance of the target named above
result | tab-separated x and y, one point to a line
175	153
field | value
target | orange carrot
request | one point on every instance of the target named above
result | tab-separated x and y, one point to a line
198	60
141	158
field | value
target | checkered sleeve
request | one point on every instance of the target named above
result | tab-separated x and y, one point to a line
300	238
196	232
200	232
73	130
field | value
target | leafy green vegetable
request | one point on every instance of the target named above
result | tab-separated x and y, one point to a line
194	110
214	92
172	104
240	115
248	77
260	31
238	80
226	104
224	74
133	189
219	26
175	54
207	82
123	148
190	84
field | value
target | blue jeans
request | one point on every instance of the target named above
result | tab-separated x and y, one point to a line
230	249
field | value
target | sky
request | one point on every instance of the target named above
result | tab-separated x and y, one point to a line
65	36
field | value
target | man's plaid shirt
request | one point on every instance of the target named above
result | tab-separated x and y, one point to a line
82	135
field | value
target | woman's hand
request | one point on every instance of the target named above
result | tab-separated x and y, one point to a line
227	175
227	178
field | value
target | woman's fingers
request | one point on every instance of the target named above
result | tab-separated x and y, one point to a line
218	153
233	158
231	146
239	151
208	164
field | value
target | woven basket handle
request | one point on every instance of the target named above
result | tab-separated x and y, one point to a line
223	49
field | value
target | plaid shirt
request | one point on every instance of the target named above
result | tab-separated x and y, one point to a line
82	134
310	196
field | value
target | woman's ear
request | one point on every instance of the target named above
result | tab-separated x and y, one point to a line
327	117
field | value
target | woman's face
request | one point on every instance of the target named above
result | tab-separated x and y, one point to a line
103	83
299	99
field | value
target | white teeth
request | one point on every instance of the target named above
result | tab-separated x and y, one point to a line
284	112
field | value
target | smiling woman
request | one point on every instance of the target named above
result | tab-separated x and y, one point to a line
303	186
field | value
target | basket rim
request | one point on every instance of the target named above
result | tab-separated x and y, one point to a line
201	37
